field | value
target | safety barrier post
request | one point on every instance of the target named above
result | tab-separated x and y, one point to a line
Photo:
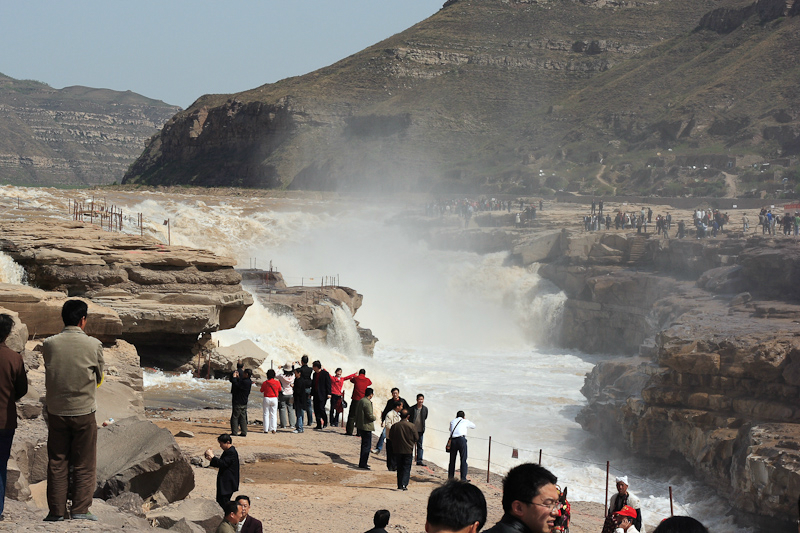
605	506
489	459
540	457
671	510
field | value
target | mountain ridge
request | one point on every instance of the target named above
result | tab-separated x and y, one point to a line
479	97
72	136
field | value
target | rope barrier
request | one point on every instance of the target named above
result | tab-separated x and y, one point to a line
644	486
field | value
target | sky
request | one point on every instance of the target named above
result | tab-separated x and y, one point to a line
178	50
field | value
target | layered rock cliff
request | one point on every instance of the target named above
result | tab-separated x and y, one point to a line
715	376
159	298
484	95
72	136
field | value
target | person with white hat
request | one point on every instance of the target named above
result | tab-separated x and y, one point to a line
619	500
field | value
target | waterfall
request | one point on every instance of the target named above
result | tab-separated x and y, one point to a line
343	333
11	272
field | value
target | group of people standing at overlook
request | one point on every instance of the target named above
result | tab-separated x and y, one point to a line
302	392
771	224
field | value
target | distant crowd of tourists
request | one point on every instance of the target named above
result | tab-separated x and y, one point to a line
525	212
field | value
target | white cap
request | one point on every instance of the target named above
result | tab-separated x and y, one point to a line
623	479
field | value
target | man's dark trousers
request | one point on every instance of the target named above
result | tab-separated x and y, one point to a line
419	448
404	461
319	411
366	445
71	441
458	446
239	420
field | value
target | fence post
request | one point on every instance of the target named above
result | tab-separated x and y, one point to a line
489	459
605	505
671	510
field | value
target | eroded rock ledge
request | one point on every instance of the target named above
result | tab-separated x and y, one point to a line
153	295
715	375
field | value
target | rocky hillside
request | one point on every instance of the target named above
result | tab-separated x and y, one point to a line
72	136
516	96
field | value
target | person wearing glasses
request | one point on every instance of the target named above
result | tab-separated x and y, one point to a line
530	501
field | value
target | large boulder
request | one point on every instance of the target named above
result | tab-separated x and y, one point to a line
19	332
537	248
205	513
137	456
41	312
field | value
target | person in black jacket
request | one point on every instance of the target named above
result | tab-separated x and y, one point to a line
419	414
241	384
530	501
321	391
228	464
300	398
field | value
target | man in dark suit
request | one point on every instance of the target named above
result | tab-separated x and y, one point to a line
248	523
228	464
321	391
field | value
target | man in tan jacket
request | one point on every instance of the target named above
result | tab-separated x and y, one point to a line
73	364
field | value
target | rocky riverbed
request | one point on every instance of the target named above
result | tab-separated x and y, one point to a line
702	336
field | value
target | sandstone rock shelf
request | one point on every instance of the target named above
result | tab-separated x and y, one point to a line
153	295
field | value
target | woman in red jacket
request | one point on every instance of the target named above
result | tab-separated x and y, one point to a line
270	388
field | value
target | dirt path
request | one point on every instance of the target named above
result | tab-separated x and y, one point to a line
315	472
730	182
599	177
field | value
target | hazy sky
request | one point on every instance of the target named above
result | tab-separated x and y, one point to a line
178	50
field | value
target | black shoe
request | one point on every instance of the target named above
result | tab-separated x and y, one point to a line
317	427
420	463
405	488
365	467
53	518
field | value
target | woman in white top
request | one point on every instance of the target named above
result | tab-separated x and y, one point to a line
458	444
285	397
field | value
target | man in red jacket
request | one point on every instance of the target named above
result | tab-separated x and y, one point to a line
360	383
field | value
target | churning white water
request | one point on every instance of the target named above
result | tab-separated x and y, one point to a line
465	330
343	333
10	272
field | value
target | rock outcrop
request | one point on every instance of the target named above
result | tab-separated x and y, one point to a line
153	295
313	307
712	366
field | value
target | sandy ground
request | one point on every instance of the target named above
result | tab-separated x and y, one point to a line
316	472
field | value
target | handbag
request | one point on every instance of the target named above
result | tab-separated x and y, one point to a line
450	440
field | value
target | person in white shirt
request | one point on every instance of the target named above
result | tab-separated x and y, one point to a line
458	444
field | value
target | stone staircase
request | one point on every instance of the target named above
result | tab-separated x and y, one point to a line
636	251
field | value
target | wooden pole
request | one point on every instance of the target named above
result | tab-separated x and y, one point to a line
671	510
540	457
489	459
169	233
605	506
